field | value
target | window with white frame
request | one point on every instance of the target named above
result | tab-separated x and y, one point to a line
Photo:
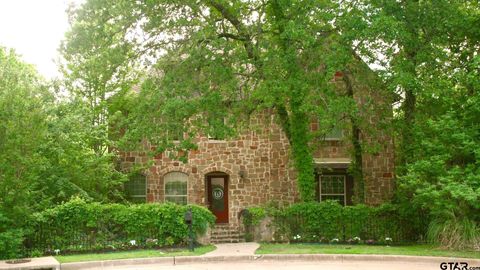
333	187
176	187
136	188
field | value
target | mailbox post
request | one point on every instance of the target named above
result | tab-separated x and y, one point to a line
189	220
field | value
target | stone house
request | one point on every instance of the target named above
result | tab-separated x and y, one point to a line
228	176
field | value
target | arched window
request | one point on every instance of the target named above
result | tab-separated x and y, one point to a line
176	187
136	188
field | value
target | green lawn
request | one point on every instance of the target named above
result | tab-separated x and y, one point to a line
133	254
415	250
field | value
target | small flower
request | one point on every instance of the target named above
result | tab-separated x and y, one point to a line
133	242
388	240
57	251
297	237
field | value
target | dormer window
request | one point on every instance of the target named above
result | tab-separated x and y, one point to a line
335	134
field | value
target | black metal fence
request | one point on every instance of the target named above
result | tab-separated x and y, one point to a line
49	240
344	225
378	229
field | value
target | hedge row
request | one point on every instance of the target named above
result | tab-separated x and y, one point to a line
330	222
78	226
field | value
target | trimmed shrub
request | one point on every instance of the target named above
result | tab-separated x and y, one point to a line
329	222
77	226
311	221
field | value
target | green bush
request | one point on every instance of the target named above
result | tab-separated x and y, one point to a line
11	240
311	221
11	244
329	222
82	226
252	217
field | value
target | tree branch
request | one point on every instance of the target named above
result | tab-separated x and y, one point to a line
242	31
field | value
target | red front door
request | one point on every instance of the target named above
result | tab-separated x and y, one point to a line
217	188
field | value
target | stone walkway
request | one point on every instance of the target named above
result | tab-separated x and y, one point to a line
233	249
36	263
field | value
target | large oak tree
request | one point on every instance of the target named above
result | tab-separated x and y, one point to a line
212	64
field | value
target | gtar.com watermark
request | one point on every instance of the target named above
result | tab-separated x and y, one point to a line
457	266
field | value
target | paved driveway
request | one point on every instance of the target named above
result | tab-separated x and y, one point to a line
298	265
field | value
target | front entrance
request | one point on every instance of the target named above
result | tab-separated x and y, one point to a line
217	195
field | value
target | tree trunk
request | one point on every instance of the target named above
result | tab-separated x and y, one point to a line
408	137
357	168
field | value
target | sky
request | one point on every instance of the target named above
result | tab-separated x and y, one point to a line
34	28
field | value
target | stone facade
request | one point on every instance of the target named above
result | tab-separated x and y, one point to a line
258	166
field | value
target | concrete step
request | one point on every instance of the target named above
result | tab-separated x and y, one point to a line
225	233
227	240
226	236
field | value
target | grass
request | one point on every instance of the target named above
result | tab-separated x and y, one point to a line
414	250
133	254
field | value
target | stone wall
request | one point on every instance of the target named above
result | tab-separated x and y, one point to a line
256	162
375	111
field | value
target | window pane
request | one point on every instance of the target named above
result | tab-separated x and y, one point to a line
339	198
218	189
335	134
176	199
176	187
136	188
332	184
